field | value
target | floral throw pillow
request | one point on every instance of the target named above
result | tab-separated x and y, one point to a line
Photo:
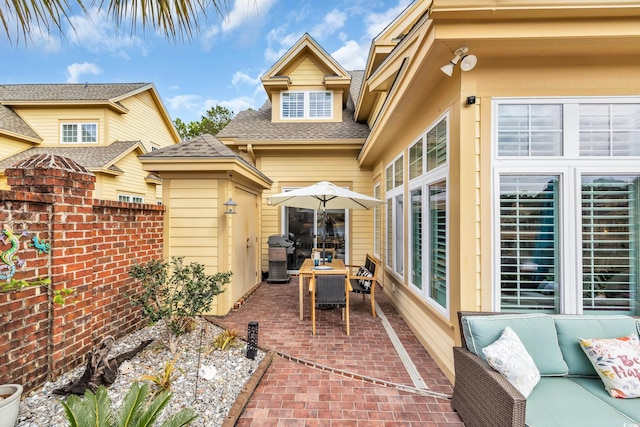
617	362
508	356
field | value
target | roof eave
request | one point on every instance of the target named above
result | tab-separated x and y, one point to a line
20	136
68	103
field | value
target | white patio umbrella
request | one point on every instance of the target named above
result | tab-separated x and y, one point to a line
322	196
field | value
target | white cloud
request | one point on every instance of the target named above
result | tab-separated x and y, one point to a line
246	11
332	22
351	56
377	22
240	77
245	14
190	108
96	33
279	43
76	70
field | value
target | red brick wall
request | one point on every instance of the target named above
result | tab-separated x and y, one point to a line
93	244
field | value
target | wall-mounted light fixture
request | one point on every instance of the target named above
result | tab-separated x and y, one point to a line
467	62
230	207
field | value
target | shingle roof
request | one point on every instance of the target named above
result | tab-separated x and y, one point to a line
66	92
11	122
89	157
202	147
356	84
257	125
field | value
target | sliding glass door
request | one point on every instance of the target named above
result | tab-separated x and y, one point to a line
309	229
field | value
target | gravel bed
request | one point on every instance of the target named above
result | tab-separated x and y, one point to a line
228	370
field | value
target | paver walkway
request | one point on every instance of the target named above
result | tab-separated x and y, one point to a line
294	394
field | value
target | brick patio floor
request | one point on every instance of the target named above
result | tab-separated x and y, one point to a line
293	394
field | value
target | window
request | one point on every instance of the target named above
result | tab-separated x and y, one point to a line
307	105
377	222
130	198
395	215
567	231
428	217
78	133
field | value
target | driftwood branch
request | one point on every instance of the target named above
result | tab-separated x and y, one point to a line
100	370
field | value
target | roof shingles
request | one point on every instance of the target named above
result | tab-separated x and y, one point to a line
257	125
89	157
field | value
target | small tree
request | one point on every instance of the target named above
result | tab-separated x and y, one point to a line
216	118
175	293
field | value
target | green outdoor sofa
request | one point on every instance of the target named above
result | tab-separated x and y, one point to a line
569	392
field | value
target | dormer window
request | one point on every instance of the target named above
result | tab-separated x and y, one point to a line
307	105
79	133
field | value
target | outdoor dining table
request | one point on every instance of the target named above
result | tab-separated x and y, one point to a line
306	271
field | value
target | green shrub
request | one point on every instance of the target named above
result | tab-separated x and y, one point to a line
175	293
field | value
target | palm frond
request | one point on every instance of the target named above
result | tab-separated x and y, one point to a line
177	19
91	410
153	410
133	401
101	406
183	418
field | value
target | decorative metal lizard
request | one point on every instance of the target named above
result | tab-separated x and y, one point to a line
9	257
41	246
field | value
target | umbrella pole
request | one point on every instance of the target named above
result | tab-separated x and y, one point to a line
324	234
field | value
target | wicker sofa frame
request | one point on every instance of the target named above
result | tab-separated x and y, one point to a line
481	396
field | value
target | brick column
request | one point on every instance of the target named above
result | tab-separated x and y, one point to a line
72	252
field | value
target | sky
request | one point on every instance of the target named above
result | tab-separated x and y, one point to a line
220	65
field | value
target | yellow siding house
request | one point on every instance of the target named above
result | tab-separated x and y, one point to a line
103	127
504	137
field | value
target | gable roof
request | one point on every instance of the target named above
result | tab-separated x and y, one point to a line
256	125
276	78
20	93
12	125
95	159
103	94
201	146
203	149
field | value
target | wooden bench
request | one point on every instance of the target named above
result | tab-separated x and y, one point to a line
358	281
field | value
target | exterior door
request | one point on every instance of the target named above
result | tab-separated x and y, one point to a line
308	229
245	243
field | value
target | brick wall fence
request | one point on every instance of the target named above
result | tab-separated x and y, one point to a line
93	244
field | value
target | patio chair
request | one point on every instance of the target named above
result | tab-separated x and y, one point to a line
329	290
364	280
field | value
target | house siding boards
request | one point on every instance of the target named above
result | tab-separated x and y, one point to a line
31	118
298	171
594	51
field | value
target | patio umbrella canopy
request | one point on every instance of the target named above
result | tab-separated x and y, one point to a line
322	196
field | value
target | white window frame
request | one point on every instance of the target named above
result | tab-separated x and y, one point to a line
397	238
569	169
130	198
307	105
377	216
424	182
78	132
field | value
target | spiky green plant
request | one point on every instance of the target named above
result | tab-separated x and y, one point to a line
163	379
94	409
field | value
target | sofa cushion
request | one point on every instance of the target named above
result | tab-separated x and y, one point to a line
617	361
508	356
536	331
628	407
560	402
573	327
